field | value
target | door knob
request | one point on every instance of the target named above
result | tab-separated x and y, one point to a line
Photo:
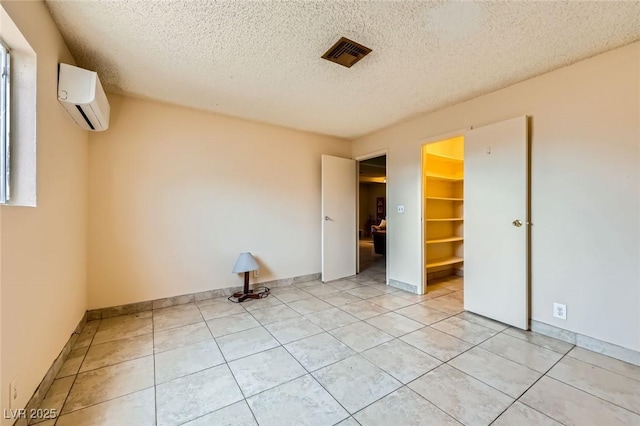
327	218
517	223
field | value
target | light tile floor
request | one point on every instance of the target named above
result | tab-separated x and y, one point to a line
350	352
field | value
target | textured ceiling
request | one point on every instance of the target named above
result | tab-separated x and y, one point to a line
261	60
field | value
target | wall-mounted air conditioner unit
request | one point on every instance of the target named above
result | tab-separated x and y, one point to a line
81	94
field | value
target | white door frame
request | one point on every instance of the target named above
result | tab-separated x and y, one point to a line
358	159
423	142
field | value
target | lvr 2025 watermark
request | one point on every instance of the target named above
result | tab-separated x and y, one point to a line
36	413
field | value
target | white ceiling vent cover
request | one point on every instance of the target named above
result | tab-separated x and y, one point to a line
81	94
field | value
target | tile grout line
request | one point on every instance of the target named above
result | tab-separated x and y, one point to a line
244	397
595	396
153	353
601	367
527	389
310	373
75	378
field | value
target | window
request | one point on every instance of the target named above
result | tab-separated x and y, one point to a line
4	122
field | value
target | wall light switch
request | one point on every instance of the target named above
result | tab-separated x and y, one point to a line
400	208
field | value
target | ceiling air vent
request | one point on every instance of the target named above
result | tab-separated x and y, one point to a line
346	52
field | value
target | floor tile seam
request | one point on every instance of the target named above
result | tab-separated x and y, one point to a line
180	346
216	342
153	348
372	347
75	377
513	400
215	411
260	308
603	368
428	325
116	363
479	379
184	346
327	365
425	352
117	339
92	344
279	345
285	303
520	363
371	403
578	389
235	332
226	363
344	304
281	320
108	399
466	341
312	312
637	413
301	338
310	373
541	346
247	397
396	337
200	370
331	395
391	374
378	314
173	327
58	377
93	337
431	402
395	309
536	410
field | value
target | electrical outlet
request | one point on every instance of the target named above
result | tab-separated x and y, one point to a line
256	273
400	208
560	311
13	393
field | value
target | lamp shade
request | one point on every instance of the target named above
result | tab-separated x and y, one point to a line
245	263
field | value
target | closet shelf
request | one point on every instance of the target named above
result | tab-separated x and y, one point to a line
445	219
444	158
446	178
443	199
443	261
444	240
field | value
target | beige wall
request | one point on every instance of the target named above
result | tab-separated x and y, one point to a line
585	189
176	194
43	273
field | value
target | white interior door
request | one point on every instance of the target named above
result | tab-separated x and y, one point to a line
496	222
338	218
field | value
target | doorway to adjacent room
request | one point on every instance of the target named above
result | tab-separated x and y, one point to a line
372	215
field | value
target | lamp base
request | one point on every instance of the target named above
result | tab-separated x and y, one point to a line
246	293
242	296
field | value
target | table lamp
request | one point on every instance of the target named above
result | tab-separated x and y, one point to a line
245	263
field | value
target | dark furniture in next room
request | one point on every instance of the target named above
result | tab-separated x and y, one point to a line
380	242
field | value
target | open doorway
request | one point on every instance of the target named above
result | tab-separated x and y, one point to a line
443	207
372	215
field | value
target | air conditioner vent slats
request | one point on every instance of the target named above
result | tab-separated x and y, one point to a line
346	52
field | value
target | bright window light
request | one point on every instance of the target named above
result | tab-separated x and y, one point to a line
4	122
